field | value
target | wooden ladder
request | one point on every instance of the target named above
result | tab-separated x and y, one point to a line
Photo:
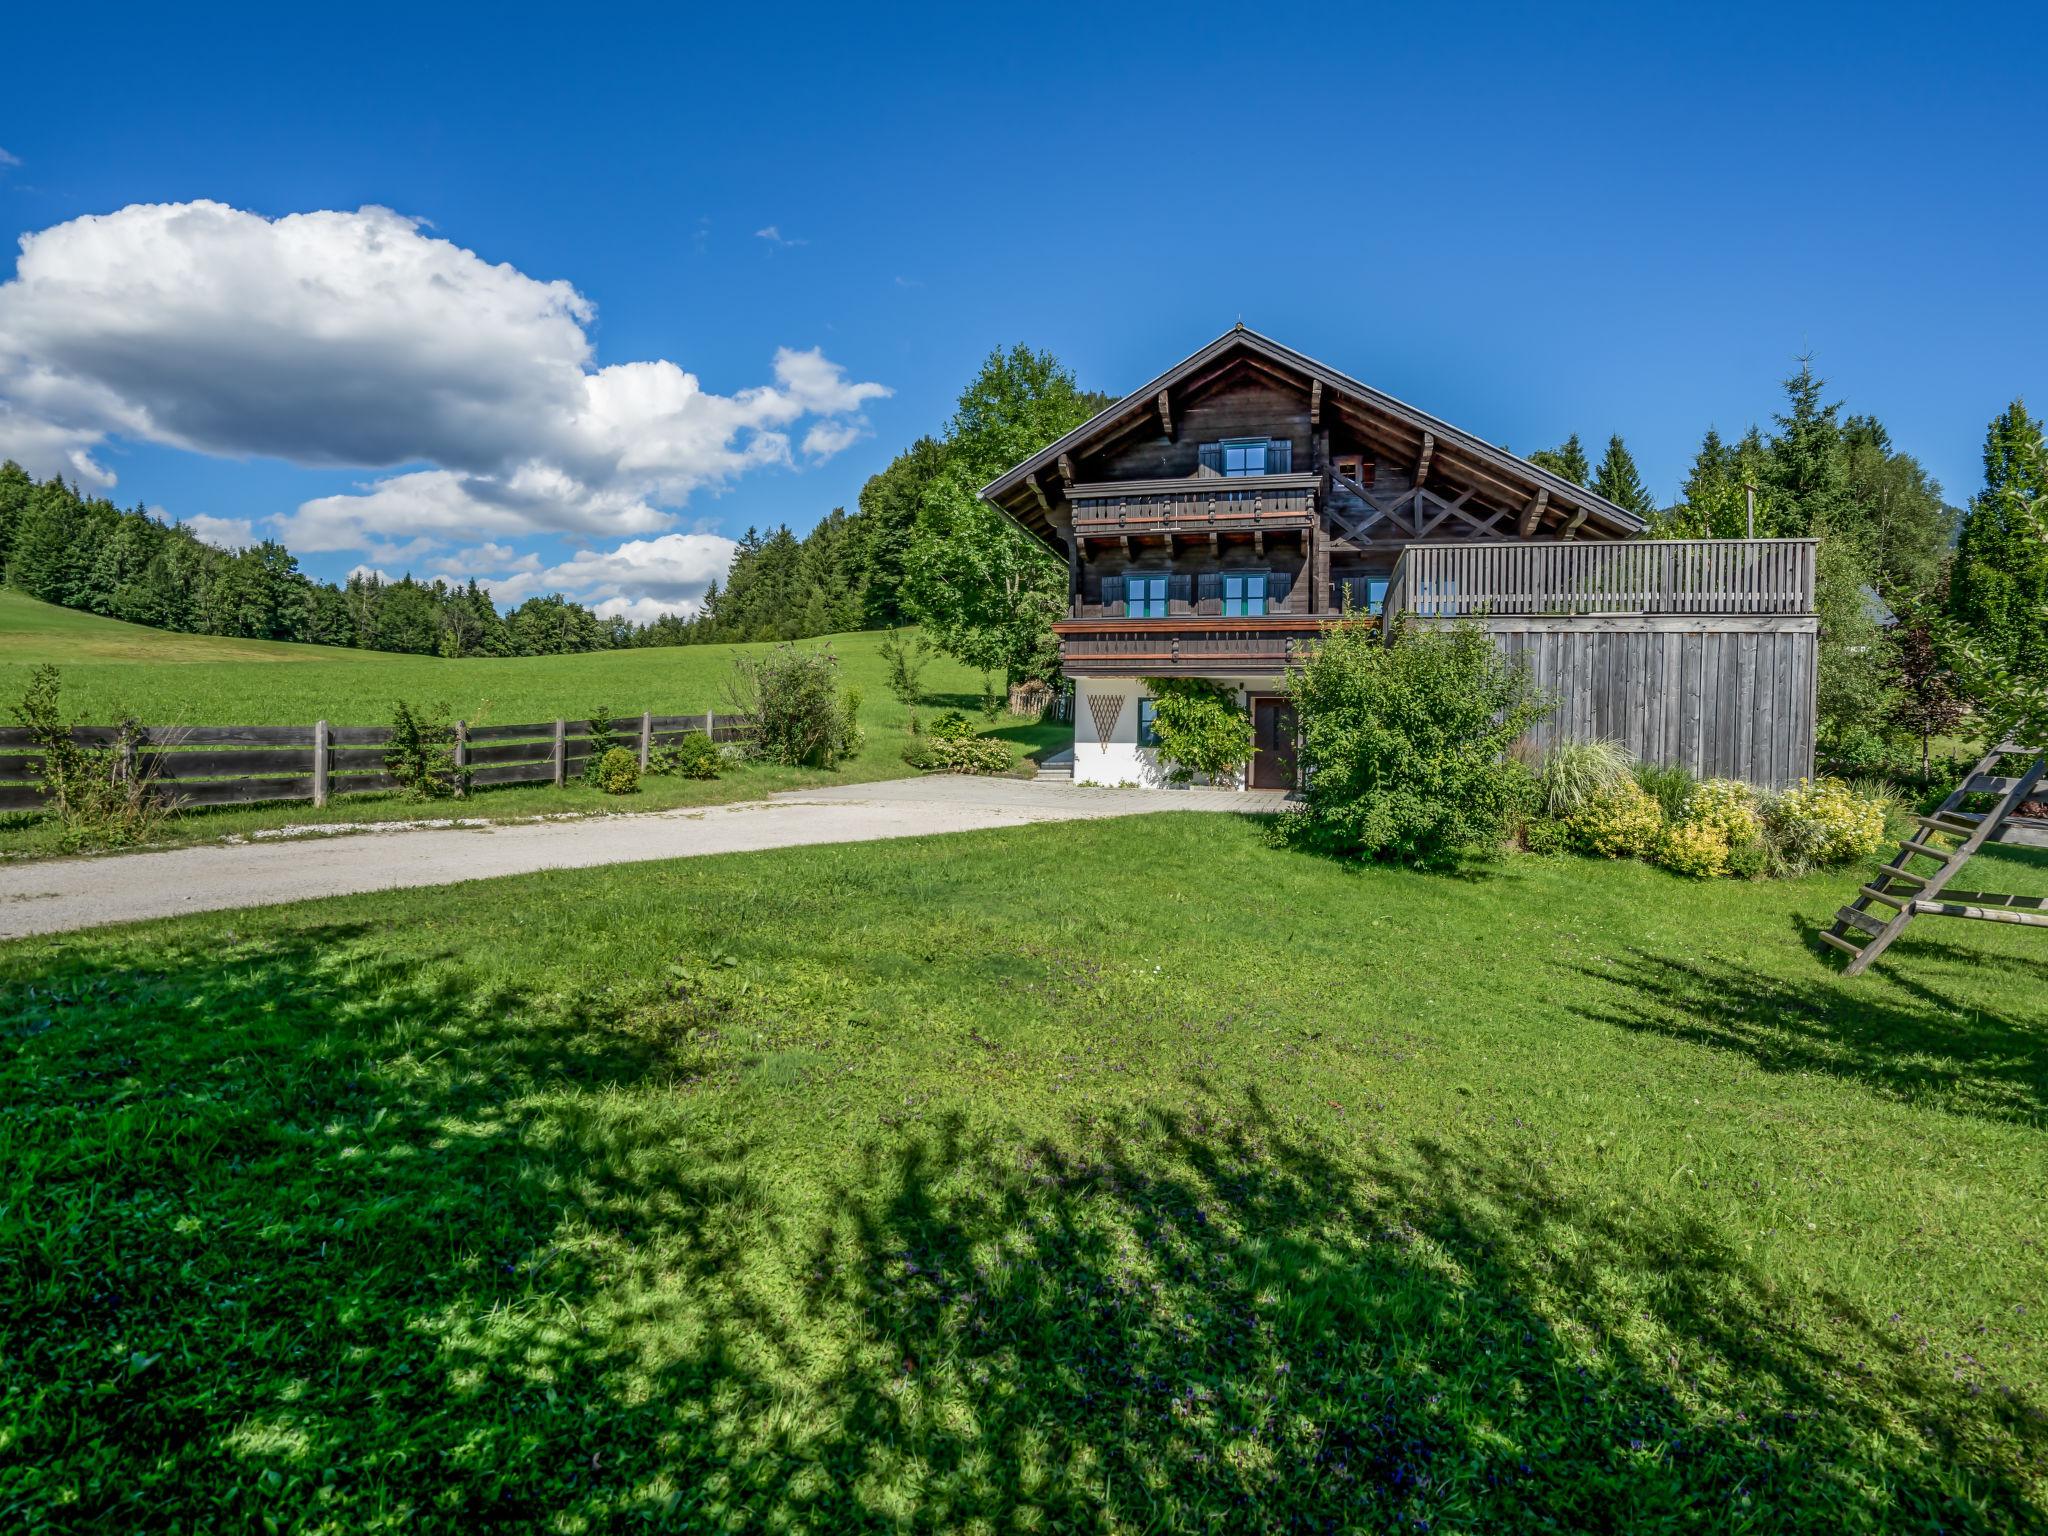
1863	935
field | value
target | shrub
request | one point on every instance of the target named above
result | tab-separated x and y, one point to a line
694	756
1693	848
1546	834
1202	732
1726	805
1620	822
421	753
1576	771
798	713
1405	746
952	726
603	737
102	797
1670	787
933	753
616	773
1824	823
1750	860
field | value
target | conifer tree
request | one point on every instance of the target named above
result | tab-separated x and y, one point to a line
1999	589
1567	459
1618	480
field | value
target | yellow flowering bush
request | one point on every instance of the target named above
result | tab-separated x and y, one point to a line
1695	848
1618	821
1825	822
1728	806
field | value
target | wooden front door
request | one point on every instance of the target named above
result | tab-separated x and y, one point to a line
1273	730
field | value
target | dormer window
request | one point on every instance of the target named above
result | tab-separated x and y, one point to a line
1241	456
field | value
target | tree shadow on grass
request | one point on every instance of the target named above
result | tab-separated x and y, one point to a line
1940	1044
300	1234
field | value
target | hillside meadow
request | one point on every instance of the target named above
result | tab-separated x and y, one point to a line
1123	1176
111	670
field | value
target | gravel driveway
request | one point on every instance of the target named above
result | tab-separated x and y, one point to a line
63	894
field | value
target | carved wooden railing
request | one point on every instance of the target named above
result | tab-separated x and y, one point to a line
1189	644
1633	577
1195	506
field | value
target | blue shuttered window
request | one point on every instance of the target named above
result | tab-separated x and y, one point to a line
1280	456
1244	593
1148	734
1145	596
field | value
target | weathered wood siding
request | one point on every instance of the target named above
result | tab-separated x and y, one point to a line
1250	409
1726	697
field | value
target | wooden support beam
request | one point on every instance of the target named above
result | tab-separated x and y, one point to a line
1215	546
1422	464
1571	529
1315	402
1532	515
1165	415
1066	470
1039	491
1125	540
1259	541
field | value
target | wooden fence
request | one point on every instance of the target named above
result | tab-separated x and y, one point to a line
1632	576
200	765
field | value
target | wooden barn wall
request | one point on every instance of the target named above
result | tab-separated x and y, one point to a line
1246	409
1735	700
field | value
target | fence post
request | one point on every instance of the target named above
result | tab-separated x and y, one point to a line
646	736
561	753
710	725
461	756
320	755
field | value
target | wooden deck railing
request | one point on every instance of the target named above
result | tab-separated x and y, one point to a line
199	765
1634	577
1261	501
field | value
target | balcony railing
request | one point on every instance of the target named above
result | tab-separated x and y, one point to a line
1091	647
1635	577
1262	502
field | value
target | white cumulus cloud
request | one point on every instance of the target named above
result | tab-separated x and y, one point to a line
354	339
222	532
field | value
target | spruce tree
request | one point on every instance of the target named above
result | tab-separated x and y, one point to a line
1568	459
1999	589
1618	480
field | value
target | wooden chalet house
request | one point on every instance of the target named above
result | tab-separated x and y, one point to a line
1214	521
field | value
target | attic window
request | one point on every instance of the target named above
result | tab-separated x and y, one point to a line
1237	456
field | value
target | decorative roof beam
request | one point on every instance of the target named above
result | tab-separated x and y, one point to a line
1066	470
1571	529
1532	515
1039	491
1315	402
1422	464
1165	415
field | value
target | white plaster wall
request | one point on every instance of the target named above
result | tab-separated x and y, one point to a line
1123	761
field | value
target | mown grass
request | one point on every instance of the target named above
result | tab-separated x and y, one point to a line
1131	1176
112	670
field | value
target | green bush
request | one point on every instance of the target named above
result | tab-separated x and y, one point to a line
1726	805
953	726
693	756
1693	848
1749	860
1202	731
933	753
1546	834
603	737
421	753
1405	746
102	797
616	773
1620	822
797	712
1670	787
1576	771
1824	823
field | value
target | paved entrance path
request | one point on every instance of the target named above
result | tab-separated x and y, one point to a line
117	888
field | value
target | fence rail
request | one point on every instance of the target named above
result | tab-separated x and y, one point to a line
204	765
1635	576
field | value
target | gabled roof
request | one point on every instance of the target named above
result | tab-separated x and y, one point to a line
1392	426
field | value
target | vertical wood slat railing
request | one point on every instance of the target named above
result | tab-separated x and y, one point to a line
1638	576
252	764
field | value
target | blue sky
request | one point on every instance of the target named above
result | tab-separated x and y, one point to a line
1528	221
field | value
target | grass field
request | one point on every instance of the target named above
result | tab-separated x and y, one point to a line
1121	1176
111	670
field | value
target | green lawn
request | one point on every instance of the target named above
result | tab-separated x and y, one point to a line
110	670
1129	1176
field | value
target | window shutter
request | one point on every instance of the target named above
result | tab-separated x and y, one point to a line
1280	456
1211	456
1112	589
1278	585
1177	587
1209	585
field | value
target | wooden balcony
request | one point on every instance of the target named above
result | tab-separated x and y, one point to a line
1633	578
1160	647
1251	503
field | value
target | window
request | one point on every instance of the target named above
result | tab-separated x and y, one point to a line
1244	455
1148	733
1244	594
1144	597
